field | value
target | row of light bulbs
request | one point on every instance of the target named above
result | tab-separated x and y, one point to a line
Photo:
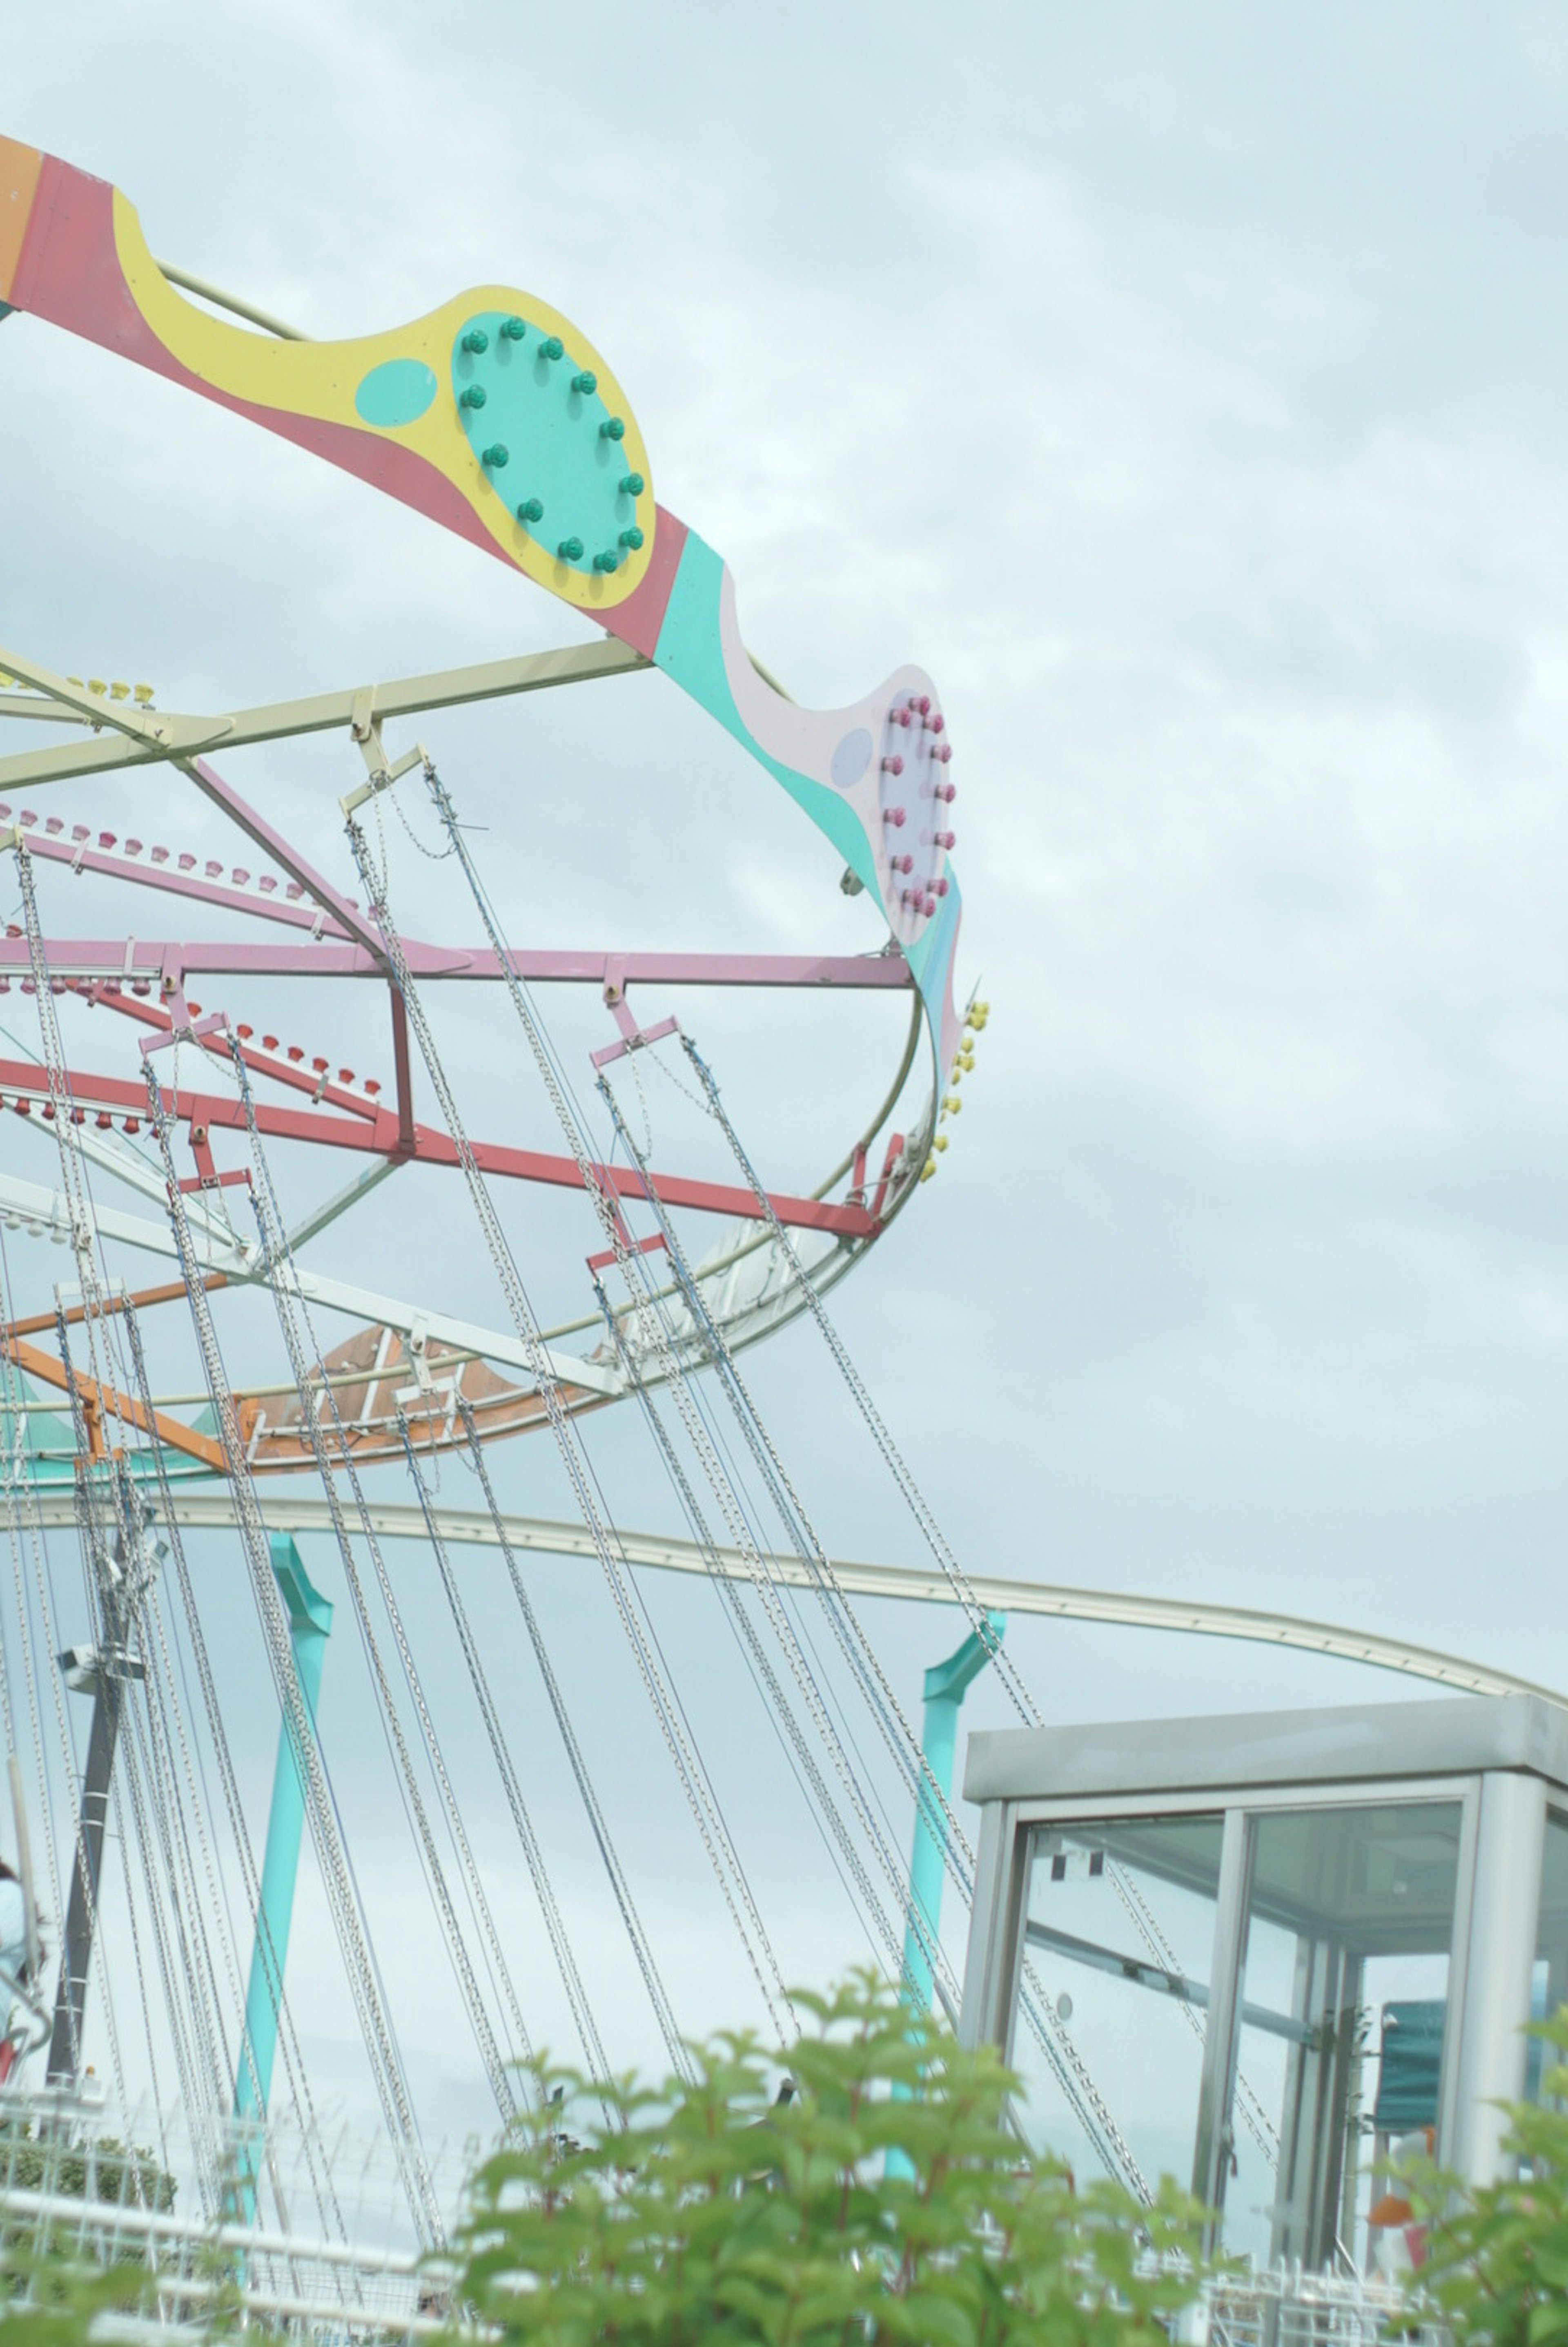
962	1065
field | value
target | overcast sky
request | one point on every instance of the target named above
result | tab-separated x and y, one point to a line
1183	388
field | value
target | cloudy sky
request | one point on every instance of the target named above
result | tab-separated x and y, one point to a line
1183	388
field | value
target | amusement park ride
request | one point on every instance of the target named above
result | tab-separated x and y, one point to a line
494	419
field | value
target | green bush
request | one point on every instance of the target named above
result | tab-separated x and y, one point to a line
720	2212
1497	2257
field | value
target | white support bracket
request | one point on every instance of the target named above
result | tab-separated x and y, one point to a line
383	776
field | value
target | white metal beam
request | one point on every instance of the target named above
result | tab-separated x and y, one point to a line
151	734
396	1521
241	1264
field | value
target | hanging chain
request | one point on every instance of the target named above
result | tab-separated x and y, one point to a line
386	2067
700	1798
657	1994
283	1282
293	2064
544	1890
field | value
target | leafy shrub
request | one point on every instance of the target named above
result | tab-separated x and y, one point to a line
1497	2257
717	2212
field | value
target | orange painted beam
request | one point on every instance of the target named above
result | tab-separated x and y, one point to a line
172	1292
104	1402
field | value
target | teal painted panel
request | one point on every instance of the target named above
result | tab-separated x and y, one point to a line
397	391
549	439
931	955
690	650
48	1446
309	1626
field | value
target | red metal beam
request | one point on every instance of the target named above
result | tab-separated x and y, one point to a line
381	1135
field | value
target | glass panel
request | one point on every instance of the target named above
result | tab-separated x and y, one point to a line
1549	1983
1120	1936
1344	2013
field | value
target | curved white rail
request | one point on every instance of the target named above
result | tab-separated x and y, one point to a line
397	1520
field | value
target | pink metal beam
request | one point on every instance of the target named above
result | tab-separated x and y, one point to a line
255	826
382	1136
148	957
175	883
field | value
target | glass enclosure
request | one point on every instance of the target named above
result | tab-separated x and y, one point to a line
1119	1938
1342	2022
1273	1955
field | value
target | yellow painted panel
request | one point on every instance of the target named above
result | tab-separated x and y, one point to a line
320	379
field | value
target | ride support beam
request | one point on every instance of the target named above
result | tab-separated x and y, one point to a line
381	1135
104	1402
946	1684
126	961
141	738
113	1669
309	1627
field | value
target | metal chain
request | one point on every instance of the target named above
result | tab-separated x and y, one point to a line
386	2067
658	1995
700	1798
614	1231
1050	2031
823	1792
544	1890
958	1579
1063	2050
293	2064
285	1291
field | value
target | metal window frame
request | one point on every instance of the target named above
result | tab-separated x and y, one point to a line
993	1972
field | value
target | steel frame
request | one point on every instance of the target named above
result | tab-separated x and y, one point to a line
745	1286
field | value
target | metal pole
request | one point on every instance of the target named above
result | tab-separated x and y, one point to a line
104	1671
309	1626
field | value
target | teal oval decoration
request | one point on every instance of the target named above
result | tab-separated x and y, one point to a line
565	472
397	391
